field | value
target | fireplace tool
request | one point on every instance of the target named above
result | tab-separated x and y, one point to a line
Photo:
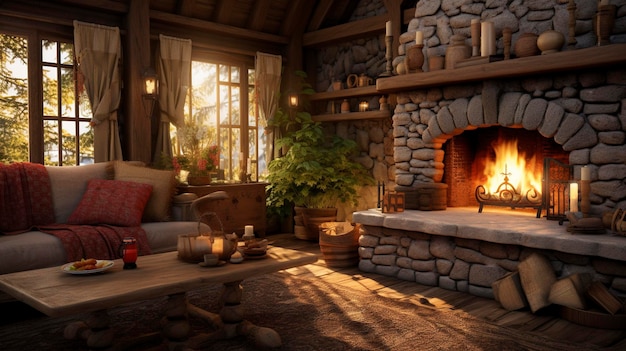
507	196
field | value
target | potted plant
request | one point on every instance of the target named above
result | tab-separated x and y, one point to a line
315	172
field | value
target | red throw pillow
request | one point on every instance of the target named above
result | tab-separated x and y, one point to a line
112	202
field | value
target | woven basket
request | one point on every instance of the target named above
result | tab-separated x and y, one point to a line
339	244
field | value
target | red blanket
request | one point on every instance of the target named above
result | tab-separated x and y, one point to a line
95	241
25	197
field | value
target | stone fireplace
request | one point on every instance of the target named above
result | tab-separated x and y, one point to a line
575	116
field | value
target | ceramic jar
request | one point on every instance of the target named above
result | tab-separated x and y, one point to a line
526	45
550	41
457	50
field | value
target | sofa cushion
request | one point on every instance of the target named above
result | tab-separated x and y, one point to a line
29	250
69	185
113	202
163	188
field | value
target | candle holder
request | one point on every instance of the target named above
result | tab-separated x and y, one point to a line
603	23
388	56
571	24
415	58
475	31
506	37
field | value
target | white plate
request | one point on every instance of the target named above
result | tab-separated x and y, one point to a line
107	265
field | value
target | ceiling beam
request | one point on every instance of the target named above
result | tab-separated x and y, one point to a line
258	15
350	30
223	11
318	16
295	23
216	28
186	7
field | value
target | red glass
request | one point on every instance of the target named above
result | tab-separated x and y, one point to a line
128	251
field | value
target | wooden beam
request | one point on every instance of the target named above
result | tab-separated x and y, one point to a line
318	16
215	28
258	15
223	11
294	22
186	7
137	57
356	29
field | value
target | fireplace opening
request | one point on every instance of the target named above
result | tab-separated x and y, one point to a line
488	157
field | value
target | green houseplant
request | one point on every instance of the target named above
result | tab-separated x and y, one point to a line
316	170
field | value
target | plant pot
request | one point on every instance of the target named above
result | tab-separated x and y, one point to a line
313	217
199	180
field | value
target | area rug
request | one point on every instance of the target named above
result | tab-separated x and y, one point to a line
308	314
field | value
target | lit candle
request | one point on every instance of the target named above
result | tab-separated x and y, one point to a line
388	27
573	197
585	173
249	230
419	37
363	106
203	245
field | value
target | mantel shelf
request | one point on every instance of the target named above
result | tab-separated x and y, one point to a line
344	93
335	117
570	60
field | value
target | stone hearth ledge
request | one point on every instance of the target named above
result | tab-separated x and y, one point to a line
503	226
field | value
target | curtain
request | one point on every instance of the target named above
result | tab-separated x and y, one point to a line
267	81
98	53
174	68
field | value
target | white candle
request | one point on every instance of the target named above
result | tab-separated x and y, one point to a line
573	197
585	173
487	39
388	27
419	37
249	230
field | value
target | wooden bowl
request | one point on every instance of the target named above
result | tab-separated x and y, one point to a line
526	45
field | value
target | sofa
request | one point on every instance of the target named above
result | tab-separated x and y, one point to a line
163	215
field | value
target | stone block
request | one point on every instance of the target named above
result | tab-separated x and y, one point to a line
427	278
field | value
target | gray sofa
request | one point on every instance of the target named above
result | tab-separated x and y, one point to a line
170	215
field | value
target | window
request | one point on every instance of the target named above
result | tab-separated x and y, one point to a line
68	139
219	94
57	130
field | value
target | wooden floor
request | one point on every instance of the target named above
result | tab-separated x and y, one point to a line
547	323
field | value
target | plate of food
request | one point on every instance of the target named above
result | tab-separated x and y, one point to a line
87	266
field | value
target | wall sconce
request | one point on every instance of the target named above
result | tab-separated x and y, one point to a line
150	90
293	100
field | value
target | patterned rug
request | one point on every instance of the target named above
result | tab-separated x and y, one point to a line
308	315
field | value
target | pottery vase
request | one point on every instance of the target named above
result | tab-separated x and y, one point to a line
457	51
550	41
603	23
526	45
345	106
415	58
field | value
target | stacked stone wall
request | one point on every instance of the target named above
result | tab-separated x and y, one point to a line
467	265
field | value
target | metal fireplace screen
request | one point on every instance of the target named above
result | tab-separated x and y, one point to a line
557	176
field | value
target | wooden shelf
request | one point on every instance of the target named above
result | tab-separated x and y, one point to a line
345	93
334	117
570	60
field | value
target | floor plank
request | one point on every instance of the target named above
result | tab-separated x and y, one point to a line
545	323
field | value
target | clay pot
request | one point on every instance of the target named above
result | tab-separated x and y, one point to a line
457	51
435	63
550	41
526	45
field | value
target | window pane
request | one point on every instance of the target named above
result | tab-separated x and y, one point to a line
68	97
50	92
84	106
250	76
234	74
51	143
85	143
13	99
226	153
223	73
235	113
48	51
224	105
68	144
237	153
67	53
251	108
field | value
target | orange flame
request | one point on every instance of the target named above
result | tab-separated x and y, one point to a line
521	173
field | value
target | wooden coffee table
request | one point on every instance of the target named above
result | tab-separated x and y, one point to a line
56	293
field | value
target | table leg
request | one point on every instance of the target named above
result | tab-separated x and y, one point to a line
95	329
230	322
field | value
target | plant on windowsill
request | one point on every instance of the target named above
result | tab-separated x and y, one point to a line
198	161
316	172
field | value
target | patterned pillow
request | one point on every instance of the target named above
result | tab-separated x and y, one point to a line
163	188
112	202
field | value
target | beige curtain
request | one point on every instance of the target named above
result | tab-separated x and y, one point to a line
174	68
98	53
267	81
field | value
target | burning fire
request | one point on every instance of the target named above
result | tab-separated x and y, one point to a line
521	174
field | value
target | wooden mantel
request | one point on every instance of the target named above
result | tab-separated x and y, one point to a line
600	56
